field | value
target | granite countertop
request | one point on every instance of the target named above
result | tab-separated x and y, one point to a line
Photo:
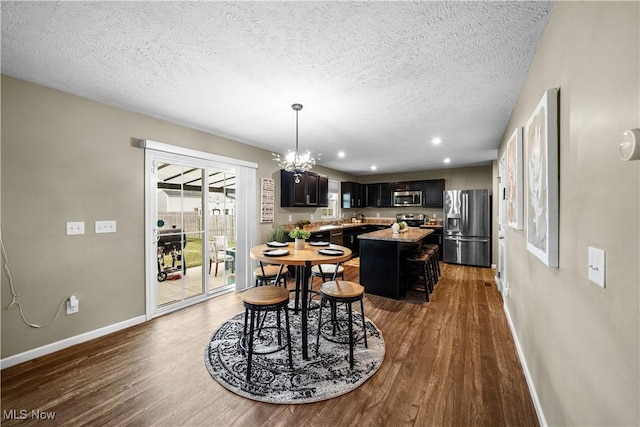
431	226
412	235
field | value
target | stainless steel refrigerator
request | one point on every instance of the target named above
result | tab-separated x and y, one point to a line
467	227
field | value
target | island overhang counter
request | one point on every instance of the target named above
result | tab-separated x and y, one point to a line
382	259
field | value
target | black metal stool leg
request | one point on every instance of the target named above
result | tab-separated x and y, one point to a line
286	319
350	311
319	325
364	326
250	345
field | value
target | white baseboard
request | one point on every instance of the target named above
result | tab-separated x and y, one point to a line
525	368
68	342
498	283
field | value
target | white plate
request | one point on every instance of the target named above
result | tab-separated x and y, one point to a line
277	244
276	252
331	251
319	243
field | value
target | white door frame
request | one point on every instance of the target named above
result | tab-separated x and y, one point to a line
245	221
501	270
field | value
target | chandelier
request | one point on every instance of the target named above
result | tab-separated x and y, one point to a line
294	162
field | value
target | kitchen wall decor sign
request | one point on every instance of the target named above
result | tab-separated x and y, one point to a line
267	199
513	182
541	137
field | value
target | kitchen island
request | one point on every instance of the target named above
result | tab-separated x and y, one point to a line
382	259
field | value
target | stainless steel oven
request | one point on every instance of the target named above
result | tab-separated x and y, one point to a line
407	198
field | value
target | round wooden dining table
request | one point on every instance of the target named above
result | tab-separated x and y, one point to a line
304	259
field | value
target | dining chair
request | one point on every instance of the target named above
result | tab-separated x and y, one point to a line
217	254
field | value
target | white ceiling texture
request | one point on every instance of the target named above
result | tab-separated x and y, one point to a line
378	80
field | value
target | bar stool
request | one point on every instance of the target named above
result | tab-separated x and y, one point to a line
327	272
264	299
436	259
266	273
420	266
342	292
434	264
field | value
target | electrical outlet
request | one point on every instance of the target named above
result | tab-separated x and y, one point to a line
74	228
290	218
73	305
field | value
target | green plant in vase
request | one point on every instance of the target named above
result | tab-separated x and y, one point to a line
300	236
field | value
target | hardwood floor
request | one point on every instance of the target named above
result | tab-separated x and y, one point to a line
450	362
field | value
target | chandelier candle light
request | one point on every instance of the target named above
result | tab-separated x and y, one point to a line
294	162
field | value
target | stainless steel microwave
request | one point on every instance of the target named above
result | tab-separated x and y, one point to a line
407	198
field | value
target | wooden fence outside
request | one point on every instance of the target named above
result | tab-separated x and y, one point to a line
218	225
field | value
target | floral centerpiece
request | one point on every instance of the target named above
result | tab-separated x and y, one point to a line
300	235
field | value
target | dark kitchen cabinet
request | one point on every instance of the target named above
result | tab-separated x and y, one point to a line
323	191
305	193
311	187
351	193
408	186
319	236
386	195
432	193
379	195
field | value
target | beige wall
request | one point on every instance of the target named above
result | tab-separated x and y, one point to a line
66	158
580	341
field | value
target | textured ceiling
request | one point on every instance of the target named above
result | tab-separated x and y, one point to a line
377	80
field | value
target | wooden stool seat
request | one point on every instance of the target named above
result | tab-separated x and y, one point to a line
326	269
265	295
270	272
342	289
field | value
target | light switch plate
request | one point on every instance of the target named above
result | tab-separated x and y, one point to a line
596	266
105	227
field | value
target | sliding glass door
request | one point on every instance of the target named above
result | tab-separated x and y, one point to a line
221	221
179	232
192	211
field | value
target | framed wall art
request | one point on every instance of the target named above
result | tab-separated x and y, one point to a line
513	183
541	138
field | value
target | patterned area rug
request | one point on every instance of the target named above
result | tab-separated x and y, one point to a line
321	377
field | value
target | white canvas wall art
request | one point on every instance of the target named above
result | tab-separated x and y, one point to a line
541	137
513	182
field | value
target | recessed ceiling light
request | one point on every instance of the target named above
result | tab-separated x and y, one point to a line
341	154
436	140
447	160
374	167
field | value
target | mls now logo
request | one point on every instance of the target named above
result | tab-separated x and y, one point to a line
23	414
